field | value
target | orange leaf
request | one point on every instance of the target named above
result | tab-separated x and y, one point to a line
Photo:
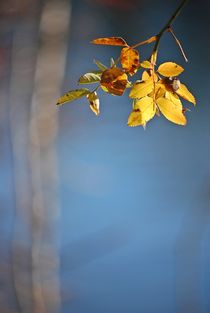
114	80
110	41
130	60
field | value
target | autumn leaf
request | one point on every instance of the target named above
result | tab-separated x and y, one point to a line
145	75
89	78
159	91
114	80
146	64
186	94
148	74
170	69
147	108
73	95
171	111
173	98
135	118
94	102
130	60
110	41
142	88
143	111
129	84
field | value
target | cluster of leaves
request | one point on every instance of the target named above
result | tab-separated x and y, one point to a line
157	91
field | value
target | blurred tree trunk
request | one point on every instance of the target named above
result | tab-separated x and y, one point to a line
23	59
50	69
37	69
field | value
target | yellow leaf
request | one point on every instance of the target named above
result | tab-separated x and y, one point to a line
130	60
159	91
171	111
104	89
143	111
94	102
129	84
173	98
73	95
114	80
147	108
135	118
186	94
141	89
170	69
146	64
145	75
110	41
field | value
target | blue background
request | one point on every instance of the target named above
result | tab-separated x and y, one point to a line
135	204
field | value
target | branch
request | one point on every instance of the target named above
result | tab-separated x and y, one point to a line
165	28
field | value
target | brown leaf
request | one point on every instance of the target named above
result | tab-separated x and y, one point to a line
110	41
130	60
114	80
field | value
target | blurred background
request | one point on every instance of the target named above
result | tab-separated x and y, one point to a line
95	216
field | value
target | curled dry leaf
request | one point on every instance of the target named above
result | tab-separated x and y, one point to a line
130	60
110	41
94	102
170	69
73	95
182	91
114	80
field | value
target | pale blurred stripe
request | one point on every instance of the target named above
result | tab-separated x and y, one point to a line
23	59
34	132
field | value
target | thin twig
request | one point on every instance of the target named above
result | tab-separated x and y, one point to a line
178	43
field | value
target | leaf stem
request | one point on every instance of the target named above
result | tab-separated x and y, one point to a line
165	28
149	40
